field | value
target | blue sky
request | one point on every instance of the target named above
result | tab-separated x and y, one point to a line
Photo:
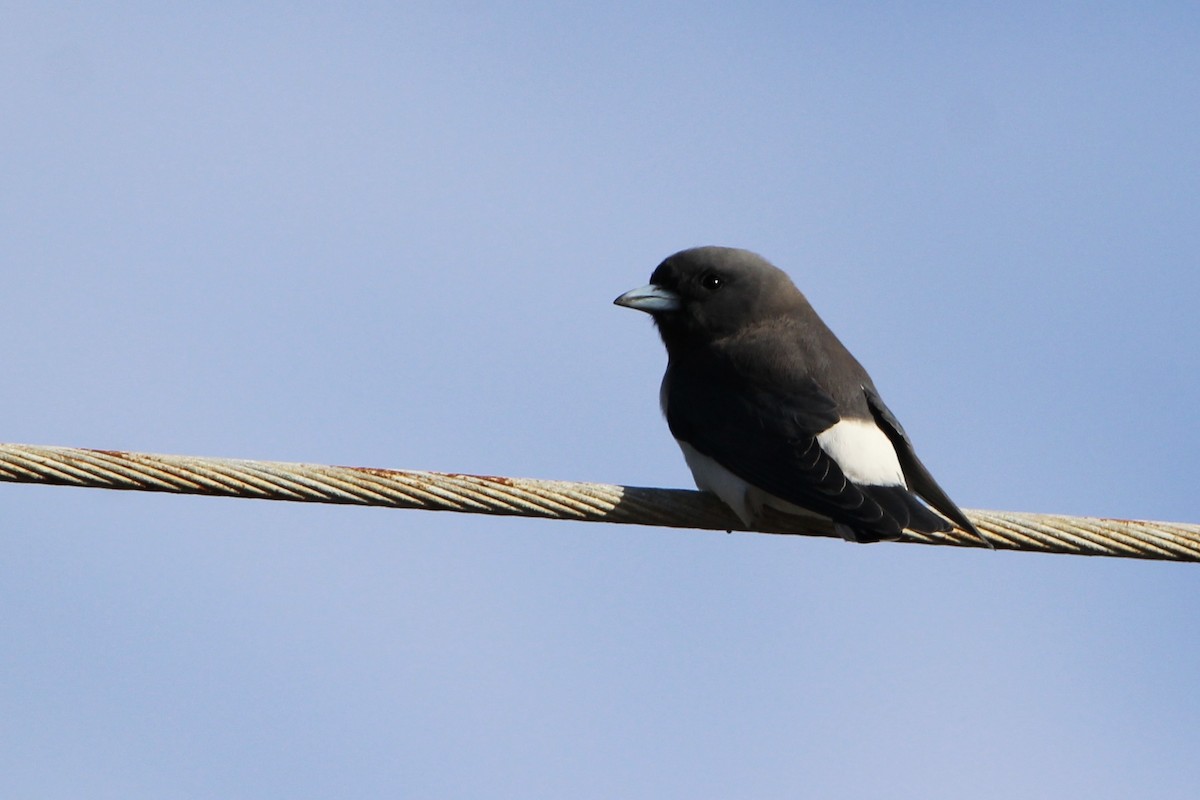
390	236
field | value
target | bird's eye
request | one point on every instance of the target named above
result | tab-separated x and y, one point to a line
712	281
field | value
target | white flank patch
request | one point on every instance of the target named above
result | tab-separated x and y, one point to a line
863	451
746	501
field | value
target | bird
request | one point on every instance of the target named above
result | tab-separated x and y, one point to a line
771	410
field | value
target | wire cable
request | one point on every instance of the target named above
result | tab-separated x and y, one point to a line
551	499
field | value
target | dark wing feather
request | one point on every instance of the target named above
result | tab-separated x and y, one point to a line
764	431
915	473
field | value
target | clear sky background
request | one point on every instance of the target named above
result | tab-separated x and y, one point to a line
390	236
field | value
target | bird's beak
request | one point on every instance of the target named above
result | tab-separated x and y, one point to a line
650	298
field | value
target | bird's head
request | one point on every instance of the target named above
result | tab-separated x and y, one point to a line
705	293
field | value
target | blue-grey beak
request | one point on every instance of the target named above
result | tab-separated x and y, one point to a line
650	298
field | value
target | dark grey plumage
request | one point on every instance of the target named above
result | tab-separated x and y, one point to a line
771	409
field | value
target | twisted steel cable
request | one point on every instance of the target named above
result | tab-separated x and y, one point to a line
584	502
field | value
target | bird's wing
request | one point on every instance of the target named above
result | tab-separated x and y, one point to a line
763	428
916	474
